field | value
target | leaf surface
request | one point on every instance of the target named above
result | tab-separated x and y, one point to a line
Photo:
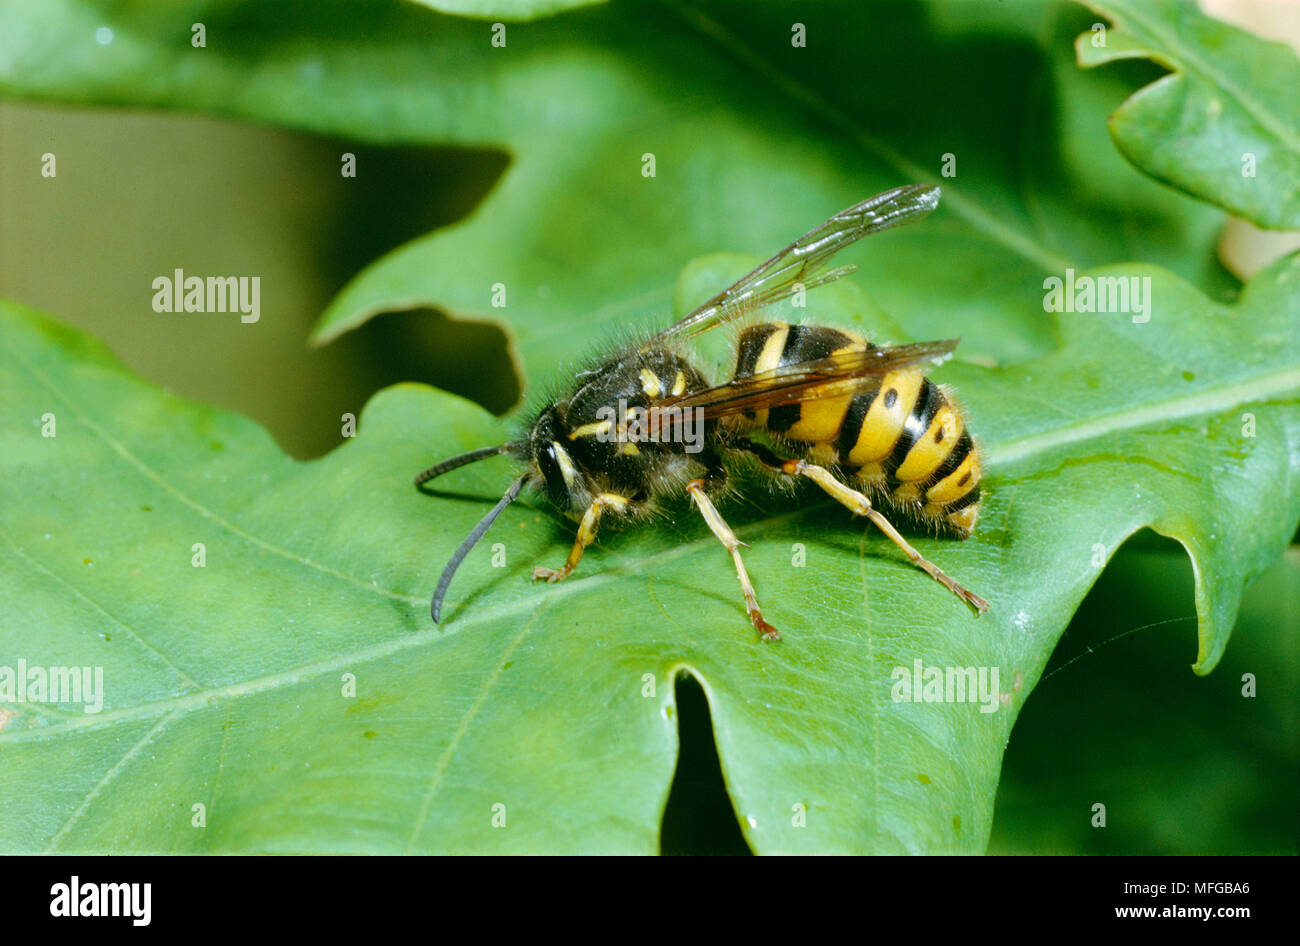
224	685
1224	125
753	138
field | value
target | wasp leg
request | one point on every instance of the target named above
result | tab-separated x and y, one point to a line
728	539
861	505
586	535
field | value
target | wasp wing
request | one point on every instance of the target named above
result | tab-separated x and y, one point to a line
801	263
841	373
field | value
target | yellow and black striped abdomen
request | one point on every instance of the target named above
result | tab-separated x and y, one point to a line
906	439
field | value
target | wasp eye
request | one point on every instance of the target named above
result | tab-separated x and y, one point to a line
553	462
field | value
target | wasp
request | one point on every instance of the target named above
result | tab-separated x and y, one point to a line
862	421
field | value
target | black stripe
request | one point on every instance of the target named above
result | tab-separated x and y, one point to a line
852	425
793	340
969	499
782	418
959	452
810	342
751	345
928	401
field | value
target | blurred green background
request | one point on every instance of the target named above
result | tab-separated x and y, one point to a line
209	195
1183	764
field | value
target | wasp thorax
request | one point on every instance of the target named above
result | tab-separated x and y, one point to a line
618	434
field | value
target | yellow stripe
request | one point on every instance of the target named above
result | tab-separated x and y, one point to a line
650	383
769	358
928	452
882	425
951	488
588	430
820	419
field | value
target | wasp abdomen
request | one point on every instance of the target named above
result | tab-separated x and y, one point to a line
906	439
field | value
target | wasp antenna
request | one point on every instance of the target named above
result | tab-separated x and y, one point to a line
471	540
482	453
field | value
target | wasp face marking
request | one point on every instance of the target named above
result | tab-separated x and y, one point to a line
558	473
567	470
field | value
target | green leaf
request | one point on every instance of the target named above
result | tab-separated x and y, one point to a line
1231	737
753	139
1225	125
224	685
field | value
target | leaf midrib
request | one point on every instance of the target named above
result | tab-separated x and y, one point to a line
1207	401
